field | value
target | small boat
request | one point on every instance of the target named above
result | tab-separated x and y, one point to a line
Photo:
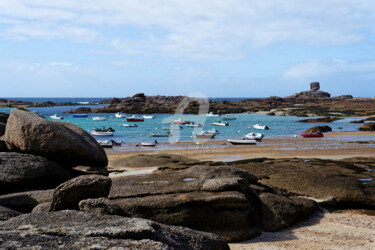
228	118
120	115
99	118
221	123
83	103
204	134
79	115
243	141
115	143
180	121
134	119
129	125
173	127
104	129
213	131
56	117
260	126
105	143
101	133
212	115
194	125
149	144
148	117
161	135
254	136
309	134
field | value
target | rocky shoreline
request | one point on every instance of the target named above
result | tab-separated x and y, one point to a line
46	202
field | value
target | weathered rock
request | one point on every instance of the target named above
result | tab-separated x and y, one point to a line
42	207
62	142
3	117
321	120
367	127
314	86
2	128
21	172
70	193
319	129
279	211
357	121
211	199
100	206
25	201
7	213
79	230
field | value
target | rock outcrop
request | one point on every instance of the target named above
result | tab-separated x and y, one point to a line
69	194
100	206
7	213
78	230
61	142
317	129
321	120
367	127
314	92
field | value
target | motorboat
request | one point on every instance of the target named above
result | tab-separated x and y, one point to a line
148	117
104	129
157	134
79	115
204	134
194	125
56	117
243	141
211	114
101	133
213	131
120	115
115	143
83	103
254	136
105	143
149	144
99	118
221	123
129	125
180	121
173	127
260	126
310	134
228	118
134	119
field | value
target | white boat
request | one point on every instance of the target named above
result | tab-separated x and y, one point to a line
242	141
129	125
99	118
194	125
161	135
260	126
149	144
105	144
221	123
83	103
101	133
173	127
213	131
56	117
228	118
212	115
204	134
254	136
148	117
120	115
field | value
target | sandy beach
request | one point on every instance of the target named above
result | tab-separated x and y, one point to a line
351	229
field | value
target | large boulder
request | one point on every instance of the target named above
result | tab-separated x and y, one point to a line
321	120
7	213
70	193
367	127
25	202
62	142
100	206
317	129
314	86
21	172
2	128
3	117
79	230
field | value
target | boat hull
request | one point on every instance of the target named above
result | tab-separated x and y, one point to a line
134	119
96	133
242	142
311	135
208	136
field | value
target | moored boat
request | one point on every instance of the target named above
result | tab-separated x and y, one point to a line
161	135
204	134
260	126
194	125
173	127
129	125
133	118
211	114
101	133
99	118
56	117
309	134
180	121
221	123
105	143
104	129
120	115
149	144
79	115
254	136
213	131
243	141
228	118
148	117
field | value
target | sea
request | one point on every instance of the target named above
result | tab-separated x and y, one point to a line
279	126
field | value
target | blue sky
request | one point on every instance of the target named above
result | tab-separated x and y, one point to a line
237	48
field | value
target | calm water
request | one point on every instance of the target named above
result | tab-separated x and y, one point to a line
280	126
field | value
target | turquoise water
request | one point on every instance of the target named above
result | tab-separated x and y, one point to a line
280	126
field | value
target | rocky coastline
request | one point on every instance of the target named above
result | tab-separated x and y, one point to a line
47	201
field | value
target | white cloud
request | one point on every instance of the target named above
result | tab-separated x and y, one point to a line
52	68
191	29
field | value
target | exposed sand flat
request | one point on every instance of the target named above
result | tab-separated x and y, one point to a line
321	231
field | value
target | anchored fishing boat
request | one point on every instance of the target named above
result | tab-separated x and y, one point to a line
101	133
99	118
221	123
204	134
56	117
79	115
129	125
243	141
260	126
148	117
134	119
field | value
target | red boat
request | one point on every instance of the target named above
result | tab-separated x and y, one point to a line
134	119
304	134
179	121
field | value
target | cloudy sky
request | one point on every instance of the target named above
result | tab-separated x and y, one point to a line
231	48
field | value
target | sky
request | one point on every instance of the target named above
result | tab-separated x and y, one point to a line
219	48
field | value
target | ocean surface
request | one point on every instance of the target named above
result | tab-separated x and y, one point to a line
280	126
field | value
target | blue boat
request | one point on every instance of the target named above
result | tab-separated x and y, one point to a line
79	115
